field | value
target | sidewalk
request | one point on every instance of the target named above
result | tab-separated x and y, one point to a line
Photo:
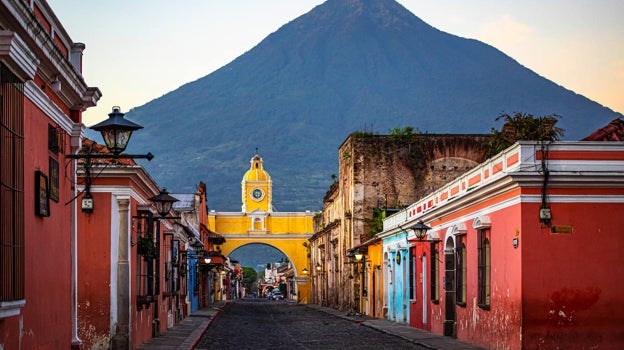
411	334
185	334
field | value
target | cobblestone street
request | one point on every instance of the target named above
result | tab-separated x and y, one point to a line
262	324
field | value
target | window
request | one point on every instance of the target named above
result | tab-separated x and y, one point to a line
171	265
435	274
53	143
460	272
11	192
483	252
412	274
148	248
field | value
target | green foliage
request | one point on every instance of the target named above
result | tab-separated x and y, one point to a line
146	247
523	126
375	224
249	277
405	133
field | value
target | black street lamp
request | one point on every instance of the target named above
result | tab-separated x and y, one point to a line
163	202
116	132
420	230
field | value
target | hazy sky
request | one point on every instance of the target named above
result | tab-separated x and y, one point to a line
138	50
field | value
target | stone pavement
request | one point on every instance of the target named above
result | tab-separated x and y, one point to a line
411	334
186	334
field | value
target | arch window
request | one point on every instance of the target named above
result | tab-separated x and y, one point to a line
460	276
484	268
482	225
435	274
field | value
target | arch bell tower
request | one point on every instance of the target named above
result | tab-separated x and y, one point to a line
257	193
259	223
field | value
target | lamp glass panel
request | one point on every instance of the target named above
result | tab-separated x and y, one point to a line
116	140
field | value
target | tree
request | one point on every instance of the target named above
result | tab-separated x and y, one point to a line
249	277
523	126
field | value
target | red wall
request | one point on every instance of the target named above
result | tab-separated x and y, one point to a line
554	290
94	271
502	323
46	318
572	283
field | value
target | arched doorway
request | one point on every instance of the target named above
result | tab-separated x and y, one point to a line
273	267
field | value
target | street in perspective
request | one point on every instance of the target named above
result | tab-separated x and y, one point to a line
262	323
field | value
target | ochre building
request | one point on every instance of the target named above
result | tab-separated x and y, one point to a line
257	222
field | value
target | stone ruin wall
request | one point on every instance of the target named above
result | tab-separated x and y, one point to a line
395	172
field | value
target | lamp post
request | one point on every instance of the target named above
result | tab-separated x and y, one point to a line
163	202
420	230
356	257
116	132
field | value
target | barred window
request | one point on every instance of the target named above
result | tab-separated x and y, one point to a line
412	274
483	251
11	186
148	257
460	273
435	274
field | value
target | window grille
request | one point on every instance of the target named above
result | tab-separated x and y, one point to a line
483	252
435	274
11	186
460	274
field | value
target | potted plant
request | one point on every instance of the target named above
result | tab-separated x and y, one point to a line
146	247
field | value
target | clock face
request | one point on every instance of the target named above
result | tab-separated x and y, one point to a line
257	193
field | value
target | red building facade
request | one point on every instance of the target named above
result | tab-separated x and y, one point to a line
132	260
42	94
521	250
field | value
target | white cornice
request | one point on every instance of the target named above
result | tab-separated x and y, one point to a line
75	93
43	102
21	60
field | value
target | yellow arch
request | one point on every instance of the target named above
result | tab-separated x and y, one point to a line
286	232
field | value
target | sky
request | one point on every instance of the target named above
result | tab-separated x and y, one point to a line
139	50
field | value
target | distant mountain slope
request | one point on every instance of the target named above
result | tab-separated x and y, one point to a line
346	65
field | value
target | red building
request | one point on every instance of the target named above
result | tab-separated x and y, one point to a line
523	251
132	257
42	96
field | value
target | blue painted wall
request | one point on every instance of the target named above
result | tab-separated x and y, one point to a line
398	273
192	276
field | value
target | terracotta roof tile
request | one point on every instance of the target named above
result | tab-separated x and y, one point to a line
613	131
90	146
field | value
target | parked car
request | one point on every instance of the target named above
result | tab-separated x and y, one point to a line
276	295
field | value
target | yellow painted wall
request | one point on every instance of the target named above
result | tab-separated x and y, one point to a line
291	231
375	256
285	231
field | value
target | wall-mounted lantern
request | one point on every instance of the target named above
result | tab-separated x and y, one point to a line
116	132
